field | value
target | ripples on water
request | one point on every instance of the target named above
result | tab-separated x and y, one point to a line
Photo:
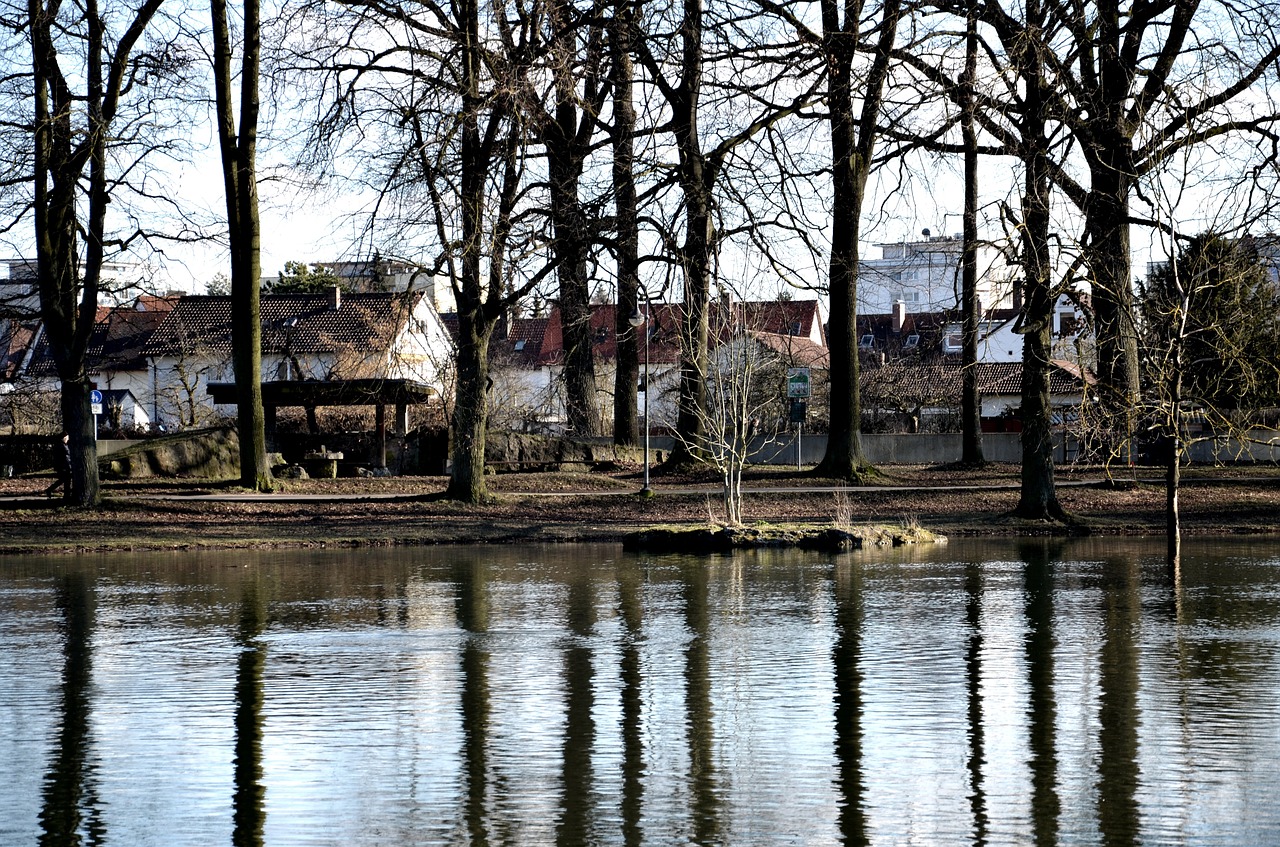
1004	694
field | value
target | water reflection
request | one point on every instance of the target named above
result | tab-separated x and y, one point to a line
1118	702
575	824
631	697
973	686
848	703
248	802
1007	694
699	720
1041	704
472	611
69	814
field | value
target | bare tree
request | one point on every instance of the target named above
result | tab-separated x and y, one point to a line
626	224
65	162
240	179
970	400
1137	83
1209	320
738	365
677	66
566	127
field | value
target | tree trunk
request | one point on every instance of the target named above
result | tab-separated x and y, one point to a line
470	412
567	147
696	176
627	370
852	143
240	182
1107	227
1039	498
85	487
970	401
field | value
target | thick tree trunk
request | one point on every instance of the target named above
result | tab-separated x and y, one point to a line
697	176
1039	498
470	412
852	143
1107	226
844	458
627	371
567	148
970	401
85	485
240	182
691	425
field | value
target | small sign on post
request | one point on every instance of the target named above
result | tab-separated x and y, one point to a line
798	385
95	402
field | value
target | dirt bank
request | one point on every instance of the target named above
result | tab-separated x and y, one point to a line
603	507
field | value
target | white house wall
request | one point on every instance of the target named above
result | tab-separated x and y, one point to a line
925	275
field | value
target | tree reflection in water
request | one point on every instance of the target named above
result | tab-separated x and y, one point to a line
249	800
472	608
1041	709
574	826
700	723
973	681
849	613
69	814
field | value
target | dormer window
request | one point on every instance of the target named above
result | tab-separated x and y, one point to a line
867	342
952	343
912	342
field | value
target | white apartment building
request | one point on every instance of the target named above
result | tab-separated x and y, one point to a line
926	276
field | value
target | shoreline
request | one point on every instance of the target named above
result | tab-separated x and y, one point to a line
597	507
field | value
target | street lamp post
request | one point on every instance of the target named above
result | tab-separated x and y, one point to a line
638	320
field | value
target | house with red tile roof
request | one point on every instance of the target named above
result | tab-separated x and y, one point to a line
527	355
910	395
154	357
320	336
114	360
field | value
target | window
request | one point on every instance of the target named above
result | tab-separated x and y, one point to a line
867	342
795	328
953	343
912	341
520	345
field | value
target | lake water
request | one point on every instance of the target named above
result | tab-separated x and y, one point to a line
985	693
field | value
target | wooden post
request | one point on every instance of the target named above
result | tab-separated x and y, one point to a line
380	417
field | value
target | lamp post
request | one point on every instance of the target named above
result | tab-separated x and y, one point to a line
638	320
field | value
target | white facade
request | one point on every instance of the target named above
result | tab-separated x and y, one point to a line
998	340
926	276
422	351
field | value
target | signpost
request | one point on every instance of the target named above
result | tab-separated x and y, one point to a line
95	409
798	391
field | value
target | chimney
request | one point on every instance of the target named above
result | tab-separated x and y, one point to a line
899	315
335	298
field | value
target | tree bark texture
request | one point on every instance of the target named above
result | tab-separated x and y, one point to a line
240	182
627	370
68	279
567	135
1038	497
697	176
970	400
852	144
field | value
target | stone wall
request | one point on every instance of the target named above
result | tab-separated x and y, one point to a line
514	451
205	454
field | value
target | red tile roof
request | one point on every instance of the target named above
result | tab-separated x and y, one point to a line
305	323
939	383
119	335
